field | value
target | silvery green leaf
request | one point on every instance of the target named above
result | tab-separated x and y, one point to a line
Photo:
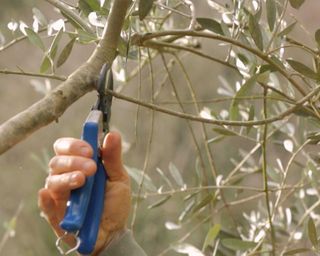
54	45
186	210
34	38
211	235
64	55
296	3
287	30
224	131
243	91
303	69
138	176
144	8
205	201
271	13
317	36
296	251
88	6
159	202
164	177
255	31
211	24
85	37
42	20
46	64
237	244
312	233
176	175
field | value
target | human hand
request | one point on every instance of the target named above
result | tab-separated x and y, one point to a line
68	171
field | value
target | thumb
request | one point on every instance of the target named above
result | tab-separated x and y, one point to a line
111	157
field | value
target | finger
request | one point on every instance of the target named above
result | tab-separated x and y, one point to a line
61	185
62	164
72	146
49	208
46	202
111	154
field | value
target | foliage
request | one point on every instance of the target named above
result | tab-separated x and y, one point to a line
266	203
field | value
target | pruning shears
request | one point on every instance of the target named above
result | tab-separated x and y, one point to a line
86	204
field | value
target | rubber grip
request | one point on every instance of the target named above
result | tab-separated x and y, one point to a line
89	231
79	199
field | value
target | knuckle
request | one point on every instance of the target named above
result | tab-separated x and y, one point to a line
52	162
57	143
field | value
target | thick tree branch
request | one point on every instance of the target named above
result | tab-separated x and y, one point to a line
80	82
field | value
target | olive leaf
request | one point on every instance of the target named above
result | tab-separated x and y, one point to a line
205	201
211	25
138	176
224	131
312	233
88	6
176	175
296	3
34	38
303	69
271	13
45	64
255	31
40	17
144	8
54	45
64	55
211	235
296	251
243	91
317	37
237	244
287	30
159	202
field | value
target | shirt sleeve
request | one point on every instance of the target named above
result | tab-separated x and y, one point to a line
124	246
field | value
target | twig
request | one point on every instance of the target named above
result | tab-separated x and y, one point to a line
281	116
6	235
302	219
277	26
264	171
148	149
285	173
173	10
141	40
160	44
50	76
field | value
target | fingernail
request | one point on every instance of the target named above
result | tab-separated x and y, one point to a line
88	165
85	151
74	179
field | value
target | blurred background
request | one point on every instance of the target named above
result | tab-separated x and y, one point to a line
23	168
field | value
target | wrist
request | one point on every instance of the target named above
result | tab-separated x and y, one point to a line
110	239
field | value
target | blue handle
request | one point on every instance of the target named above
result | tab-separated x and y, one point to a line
89	231
85	206
79	199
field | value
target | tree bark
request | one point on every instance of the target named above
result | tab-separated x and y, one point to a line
80	82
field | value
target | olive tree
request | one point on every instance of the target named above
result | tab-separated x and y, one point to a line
245	92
